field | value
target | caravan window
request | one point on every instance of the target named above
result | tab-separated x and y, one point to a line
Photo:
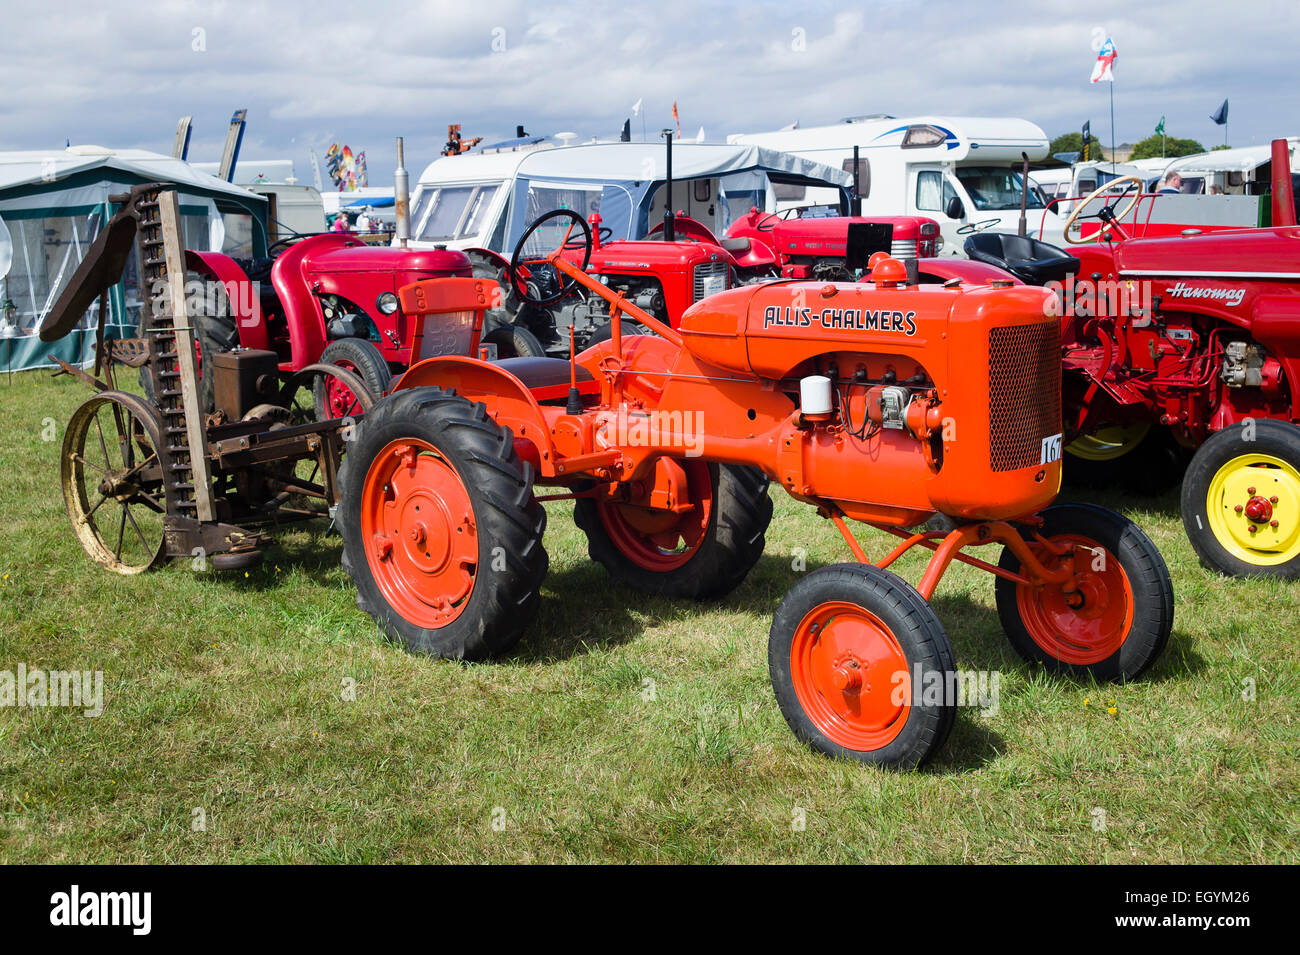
452	212
932	191
446	206
582	200
994	188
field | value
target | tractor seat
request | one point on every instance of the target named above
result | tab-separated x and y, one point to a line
1031	261
735	245
548	378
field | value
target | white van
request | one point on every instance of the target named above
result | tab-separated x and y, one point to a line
961	171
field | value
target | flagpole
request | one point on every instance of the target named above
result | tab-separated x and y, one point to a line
1112	125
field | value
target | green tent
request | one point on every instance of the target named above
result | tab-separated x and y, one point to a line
52	206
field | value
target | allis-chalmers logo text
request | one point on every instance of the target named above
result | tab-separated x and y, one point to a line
841	319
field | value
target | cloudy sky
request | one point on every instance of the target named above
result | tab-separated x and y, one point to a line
120	74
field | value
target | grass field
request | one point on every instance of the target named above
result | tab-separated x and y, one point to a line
622	729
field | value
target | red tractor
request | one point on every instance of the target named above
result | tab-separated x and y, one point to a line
889	403
1184	344
677	264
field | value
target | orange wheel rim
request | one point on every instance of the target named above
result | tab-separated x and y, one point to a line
1087	625
850	676
659	540
417	526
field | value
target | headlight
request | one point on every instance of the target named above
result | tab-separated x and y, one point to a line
386	303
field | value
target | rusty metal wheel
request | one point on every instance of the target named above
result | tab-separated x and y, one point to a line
349	395
113	481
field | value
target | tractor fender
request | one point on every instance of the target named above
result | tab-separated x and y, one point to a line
968	270
507	400
496	258
241	295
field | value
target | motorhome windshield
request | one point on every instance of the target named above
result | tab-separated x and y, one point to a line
994	188
452	212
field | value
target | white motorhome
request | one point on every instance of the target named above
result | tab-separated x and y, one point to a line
961	171
486	201
1241	171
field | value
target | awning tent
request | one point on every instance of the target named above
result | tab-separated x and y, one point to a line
54	203
626	175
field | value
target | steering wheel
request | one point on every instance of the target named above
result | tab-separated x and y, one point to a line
520	258
605	232
769	221
1104	231
972	227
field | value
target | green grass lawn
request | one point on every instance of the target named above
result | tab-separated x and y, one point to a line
224	693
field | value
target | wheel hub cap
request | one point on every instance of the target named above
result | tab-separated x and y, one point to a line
1253	506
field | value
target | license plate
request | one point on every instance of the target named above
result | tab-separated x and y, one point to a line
713	284
1051	449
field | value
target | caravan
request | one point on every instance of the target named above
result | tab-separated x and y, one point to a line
961	171
485	200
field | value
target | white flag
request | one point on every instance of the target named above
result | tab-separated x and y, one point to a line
636	107
699	137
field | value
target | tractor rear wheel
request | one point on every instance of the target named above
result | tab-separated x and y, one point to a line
213	333
1116	622
441	532
514	341
333	398
862	668
702	552
1241	500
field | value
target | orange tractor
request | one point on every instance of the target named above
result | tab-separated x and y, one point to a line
932	413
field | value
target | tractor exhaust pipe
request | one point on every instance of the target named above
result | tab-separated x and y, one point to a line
670	232
855	204
402	197
1024	194
1283	194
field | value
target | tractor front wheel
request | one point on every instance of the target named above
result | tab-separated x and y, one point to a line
441	532
1241	500
862	668
333	397
1114	617
700	552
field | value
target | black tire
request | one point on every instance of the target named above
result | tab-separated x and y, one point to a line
510	523
606	332
363	357
1153	466
514	341
484	266
1150	598
215	333
919	635
730	547
1263	553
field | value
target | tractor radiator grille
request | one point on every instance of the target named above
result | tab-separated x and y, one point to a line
710	278
1024	393
903	249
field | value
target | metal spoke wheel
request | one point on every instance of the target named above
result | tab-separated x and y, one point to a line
113	481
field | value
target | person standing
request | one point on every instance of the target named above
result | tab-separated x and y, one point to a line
1171	185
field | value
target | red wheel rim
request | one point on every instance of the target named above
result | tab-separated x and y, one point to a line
850	676
417	526
1087	626
340	400
660	540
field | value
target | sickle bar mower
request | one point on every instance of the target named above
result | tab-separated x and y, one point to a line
898	406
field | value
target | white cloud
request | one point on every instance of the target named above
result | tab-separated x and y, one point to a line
365	73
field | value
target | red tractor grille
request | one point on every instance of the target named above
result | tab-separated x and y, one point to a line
1024	393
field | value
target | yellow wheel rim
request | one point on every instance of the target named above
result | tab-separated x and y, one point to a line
1109	442
1254	509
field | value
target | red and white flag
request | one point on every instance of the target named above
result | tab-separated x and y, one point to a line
1103	69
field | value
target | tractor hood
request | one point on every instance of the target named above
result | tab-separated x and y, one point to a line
1231	254
383	258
